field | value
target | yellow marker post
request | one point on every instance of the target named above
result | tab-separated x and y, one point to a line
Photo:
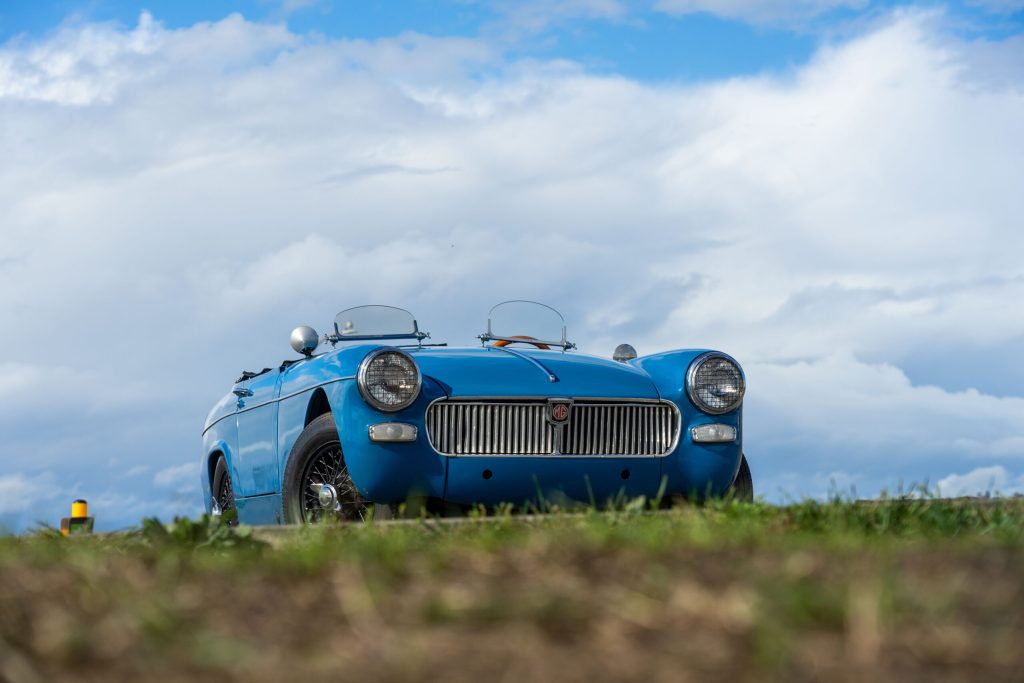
79	522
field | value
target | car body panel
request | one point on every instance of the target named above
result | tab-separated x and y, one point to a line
494	371
663	371
222	409
523	480
256	420
697	469
259	510
257	434
388	473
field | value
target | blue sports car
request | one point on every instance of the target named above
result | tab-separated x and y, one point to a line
374	415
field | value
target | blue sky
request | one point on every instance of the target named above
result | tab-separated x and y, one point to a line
641	44
826	189
635	39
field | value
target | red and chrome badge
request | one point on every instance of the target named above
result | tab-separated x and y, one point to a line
559	412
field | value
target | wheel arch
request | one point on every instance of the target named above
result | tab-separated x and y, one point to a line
318	405
217	451
211	464
208	464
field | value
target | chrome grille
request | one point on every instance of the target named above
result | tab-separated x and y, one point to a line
621	428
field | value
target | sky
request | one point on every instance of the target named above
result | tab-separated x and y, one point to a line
828	190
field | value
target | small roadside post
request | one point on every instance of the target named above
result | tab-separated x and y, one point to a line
79	522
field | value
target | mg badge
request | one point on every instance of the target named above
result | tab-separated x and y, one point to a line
559	412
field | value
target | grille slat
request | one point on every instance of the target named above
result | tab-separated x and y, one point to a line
601	426
519	429
602	429
633	428
592	443
627	428
447	434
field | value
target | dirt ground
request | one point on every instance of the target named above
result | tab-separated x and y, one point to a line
560	601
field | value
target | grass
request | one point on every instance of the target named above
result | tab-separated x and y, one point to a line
891	590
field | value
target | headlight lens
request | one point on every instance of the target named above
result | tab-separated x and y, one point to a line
389	379
715	383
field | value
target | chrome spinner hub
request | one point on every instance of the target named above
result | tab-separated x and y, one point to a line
328	497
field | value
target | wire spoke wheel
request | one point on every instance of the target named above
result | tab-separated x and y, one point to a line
225	495
223	504
327	467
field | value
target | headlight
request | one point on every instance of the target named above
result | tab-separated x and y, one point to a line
715	383
389	379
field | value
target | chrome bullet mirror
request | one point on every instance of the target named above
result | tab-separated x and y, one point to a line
305	340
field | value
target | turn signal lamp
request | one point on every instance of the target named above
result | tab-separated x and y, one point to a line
392	432
713	433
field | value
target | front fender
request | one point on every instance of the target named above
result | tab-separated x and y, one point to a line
668	372
388	473
693	468
214	445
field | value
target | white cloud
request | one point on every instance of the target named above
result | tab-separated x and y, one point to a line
18	491
40	389
176	201
795	486
89	64
870	420
759	11
1004	447
136	471
175	476
839	399
30	499
981	480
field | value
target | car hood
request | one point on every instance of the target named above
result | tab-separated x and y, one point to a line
498	372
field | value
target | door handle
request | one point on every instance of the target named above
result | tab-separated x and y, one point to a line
242	393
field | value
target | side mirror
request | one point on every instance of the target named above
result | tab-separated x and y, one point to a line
624	353
305	340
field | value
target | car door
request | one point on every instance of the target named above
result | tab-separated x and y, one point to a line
257	436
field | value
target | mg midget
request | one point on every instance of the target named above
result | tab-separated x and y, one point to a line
371	414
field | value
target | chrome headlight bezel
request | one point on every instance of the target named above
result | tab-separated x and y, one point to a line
364	367
691	383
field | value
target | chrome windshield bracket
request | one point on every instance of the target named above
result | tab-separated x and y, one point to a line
487	337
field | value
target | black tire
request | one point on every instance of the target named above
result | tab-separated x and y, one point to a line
317	458
742	488
223	492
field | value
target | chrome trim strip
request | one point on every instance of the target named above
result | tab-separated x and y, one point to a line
518	436
276	400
